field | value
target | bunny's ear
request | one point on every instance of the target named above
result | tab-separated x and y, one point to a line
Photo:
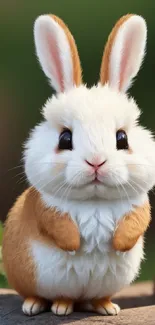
124	52
57	52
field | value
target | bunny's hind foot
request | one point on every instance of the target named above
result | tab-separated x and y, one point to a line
102	306
62	307
33	306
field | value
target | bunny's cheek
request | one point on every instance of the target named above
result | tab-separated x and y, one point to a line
58	168
117	177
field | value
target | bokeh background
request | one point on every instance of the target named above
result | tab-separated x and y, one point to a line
24	89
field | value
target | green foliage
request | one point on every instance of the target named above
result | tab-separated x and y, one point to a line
3	281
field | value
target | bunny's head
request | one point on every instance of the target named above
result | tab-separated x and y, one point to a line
90	144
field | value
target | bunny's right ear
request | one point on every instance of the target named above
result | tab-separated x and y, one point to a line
57	52
124	52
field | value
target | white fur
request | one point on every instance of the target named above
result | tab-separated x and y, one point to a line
95	270
64	179
94	115
50	38
129	45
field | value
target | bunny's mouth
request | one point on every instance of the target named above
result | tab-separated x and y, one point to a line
96	181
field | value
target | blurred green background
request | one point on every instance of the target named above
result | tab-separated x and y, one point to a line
24	89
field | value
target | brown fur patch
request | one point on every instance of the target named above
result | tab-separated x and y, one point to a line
131	227
77	71
63	302
104	71
29	220
59	228
17	260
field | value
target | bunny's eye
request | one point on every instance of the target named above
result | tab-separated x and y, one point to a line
121	140
65	140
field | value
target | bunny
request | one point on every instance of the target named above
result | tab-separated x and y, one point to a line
76	234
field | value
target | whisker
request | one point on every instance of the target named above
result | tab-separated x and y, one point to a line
21	180
13	168
133	164
58	189
22	173
122	186
129	184
55	177
118	187
69	187
140	187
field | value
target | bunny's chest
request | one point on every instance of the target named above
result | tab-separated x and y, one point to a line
95	269
96	225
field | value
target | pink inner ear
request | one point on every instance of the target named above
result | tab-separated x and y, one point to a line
125	69
56	67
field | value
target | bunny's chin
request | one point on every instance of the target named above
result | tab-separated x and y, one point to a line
90	191
94	191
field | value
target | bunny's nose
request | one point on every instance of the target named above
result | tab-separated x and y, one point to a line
96	166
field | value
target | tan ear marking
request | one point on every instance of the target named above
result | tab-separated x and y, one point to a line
77	71
104	71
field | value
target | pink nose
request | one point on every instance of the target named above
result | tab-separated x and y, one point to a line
95	166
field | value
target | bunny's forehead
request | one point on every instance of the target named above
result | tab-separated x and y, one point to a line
96	105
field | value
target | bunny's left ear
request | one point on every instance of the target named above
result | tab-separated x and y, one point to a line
57	52
124	52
